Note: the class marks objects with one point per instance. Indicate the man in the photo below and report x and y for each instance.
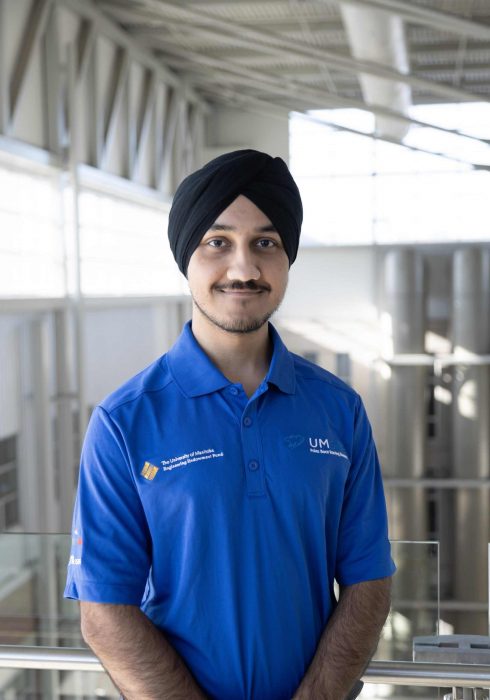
(225, 487)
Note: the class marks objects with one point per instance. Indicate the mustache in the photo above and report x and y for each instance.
(250, 285)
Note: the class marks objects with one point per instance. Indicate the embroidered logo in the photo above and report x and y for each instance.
(293, 441)
(189, 458)
(321, 446)
(149, 471)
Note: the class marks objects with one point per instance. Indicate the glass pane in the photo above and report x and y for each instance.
(8, 480)
(31, 244)
(124, 248)
(414, 612)
(55, 685)
(34, 612)
(356, 189)
(32, 578)
(415, 599)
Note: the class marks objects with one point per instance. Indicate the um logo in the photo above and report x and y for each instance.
(293, 441)
(319, 443)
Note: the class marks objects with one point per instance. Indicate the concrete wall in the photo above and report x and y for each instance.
(9, 375)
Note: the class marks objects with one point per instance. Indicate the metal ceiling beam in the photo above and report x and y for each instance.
(297, 90)
(34, 28)
(147, 104)
(270, 42)
(85, 44)
(54, 120)
(108, 28)
(426, 16)
(311, 53)
(173, 110)
(326, 19)
(120, 71)
(163, 95)
(4, 93)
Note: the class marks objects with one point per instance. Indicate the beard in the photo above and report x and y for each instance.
(237, 325)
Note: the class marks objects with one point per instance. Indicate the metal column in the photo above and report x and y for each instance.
(65, 438)
(405, 436)
(37, 477)
(471, 448)
(404, 302)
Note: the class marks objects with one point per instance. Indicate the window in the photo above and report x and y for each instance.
(360, 191)
(9, 502)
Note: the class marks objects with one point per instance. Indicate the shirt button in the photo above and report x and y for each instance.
(247, 421)
(233, 390)
(253, 465)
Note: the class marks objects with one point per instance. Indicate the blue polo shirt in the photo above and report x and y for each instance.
(227, 518)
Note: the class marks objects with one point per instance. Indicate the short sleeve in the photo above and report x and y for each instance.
(363, 548)
(110, 554)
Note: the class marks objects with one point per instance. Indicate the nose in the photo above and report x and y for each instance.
(243, 265)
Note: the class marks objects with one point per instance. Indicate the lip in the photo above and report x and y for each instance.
(241, 292)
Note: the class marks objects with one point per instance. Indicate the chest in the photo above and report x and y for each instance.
(229, 452)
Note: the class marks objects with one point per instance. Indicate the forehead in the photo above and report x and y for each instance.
(243, 212)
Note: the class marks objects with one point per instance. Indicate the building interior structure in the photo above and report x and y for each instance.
(381, 108)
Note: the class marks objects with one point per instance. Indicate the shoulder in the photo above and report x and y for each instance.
(148, 383)
(317, 378)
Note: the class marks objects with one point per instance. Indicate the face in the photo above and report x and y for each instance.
(238, 273)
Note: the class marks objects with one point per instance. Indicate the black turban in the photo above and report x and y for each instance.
(204, 194)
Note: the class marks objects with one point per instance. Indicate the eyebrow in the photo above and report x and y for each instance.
(268, 228)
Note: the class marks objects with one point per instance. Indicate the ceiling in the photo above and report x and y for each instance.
(297, 54)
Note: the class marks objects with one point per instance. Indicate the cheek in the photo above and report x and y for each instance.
(280, 272)
(201, 273)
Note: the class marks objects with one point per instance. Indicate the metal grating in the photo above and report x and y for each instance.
(212, 42)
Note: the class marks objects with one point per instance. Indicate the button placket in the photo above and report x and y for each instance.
(254, 472)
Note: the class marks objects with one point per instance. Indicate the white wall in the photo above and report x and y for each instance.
(332, 283)
(229, 129)
(118, 344)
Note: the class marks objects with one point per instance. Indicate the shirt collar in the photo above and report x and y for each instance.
(197, 375)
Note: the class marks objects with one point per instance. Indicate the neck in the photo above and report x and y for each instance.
(242, 357)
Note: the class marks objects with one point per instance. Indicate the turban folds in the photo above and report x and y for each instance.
(203, 195)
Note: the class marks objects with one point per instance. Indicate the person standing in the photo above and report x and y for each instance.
(225, 488)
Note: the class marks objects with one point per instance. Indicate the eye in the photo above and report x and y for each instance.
(266, 243)
(216, 243)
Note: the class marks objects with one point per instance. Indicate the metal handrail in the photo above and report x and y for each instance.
(49, 658)
(388, 672)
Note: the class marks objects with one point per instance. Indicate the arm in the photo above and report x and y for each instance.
(140, 661)
(348, 641)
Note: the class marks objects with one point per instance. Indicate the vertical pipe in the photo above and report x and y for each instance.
(75, 289)
(405, 445)
(404, 303)
(41, 408)
(64, 415)
(471, 458)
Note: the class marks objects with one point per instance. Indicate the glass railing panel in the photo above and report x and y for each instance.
(33, 612)
(55, 685)
(415, 605)
(415, 611)
(32, 579)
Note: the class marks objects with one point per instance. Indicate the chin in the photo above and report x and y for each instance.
(239, 325)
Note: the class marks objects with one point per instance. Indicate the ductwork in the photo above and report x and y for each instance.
(377, 36)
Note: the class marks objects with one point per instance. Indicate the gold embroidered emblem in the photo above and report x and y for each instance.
(149, 471)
